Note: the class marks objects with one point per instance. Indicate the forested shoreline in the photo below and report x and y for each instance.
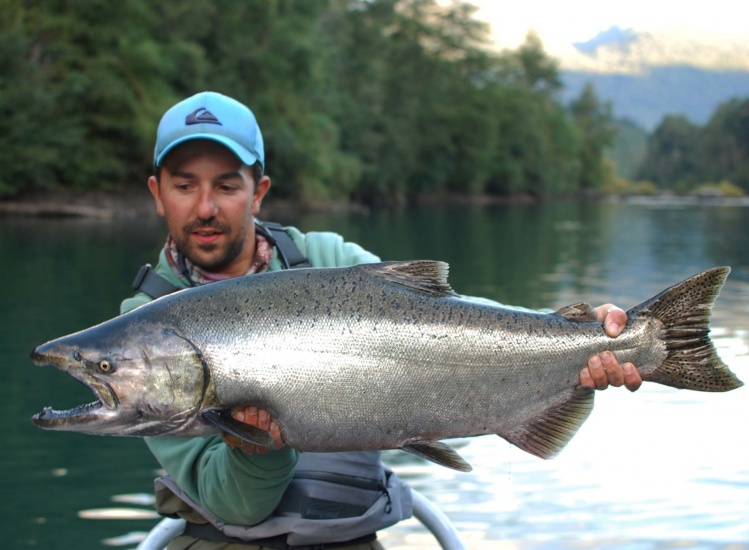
(379, 101)
(682, 156)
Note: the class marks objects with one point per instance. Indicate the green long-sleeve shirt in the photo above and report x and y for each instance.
(237, 487)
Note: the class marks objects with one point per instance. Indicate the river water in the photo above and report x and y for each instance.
(659, 468)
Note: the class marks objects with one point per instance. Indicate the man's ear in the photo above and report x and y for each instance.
(153, 186)
(261, 188)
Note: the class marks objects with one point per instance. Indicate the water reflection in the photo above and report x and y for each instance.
(655, 469)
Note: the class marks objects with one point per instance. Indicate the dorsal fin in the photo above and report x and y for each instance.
(547, 434)
(425, 276)
(578, 312)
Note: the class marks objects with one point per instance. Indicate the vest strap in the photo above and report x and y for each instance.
(288, 251)
(153, 284)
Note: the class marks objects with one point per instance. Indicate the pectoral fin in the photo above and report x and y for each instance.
(547, 434)
(223, 420)
(439, 453)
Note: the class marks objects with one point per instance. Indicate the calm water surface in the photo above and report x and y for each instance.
(660, 468)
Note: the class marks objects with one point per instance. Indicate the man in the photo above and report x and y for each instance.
(209, 184)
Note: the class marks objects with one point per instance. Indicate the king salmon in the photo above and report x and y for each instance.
(373, 356)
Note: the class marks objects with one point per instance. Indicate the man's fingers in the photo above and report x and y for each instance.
(263, 420)
(250, 448)
(275, 432)
(248, 415)
(586, 379)
(632, 377)
(260, 419)
(613, 370)
(614, 320)
(231, 440)
(604, 370)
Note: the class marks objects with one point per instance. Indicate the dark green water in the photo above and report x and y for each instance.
(64, 275)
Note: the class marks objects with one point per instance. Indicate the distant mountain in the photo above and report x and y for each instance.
(634, 50)
(615, 37)
(647, 96)
(647, 75)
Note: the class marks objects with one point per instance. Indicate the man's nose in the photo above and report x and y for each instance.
(206, 207)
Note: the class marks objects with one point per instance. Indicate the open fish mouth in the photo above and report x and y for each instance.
(106, 401)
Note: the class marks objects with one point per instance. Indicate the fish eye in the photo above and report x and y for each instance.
(77, 355)
(105, 366)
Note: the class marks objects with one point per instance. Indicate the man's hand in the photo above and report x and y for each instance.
(260, 419)
(603, 369)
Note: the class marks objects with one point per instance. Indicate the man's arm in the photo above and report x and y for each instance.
(237, 487)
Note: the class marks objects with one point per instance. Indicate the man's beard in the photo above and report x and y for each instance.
(196, 253)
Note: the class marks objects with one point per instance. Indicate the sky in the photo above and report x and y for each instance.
(702, 32)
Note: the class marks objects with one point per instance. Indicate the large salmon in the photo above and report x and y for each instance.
(375, 356)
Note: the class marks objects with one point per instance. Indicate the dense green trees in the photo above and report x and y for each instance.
(672, 160)
(682, 155)
(593, 120)
(725, 144)
(366, 99)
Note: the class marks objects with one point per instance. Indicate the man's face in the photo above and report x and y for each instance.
(208, 198)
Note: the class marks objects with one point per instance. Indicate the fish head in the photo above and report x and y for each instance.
(148, 379)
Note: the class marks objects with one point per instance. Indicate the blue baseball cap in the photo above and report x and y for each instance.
(213, 116)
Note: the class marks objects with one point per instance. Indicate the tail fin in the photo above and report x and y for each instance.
(684, 309)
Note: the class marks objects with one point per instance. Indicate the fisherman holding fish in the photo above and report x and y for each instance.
(209, 184)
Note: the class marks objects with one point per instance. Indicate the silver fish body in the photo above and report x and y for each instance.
(375, 356)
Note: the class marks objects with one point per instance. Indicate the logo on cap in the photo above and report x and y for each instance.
(201, 116)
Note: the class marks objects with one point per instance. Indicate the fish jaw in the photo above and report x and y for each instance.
(68, 360)
(146, 380)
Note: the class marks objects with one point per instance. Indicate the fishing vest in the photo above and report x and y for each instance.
(332, 497)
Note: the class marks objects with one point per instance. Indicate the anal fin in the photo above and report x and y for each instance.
(223, 420)
(548, 433)
(439, 453)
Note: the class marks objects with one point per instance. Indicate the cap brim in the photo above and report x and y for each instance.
(241, 152)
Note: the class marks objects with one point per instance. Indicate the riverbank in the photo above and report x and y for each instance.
(92, 204)
(132, 204)
(139, 204)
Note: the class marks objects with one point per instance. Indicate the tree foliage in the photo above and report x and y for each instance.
(376, 100)
(681, 155)
(725, 144)
(672, 161)
(594, 121)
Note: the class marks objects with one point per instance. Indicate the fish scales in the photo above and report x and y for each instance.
(386, 356)
(374, 343)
